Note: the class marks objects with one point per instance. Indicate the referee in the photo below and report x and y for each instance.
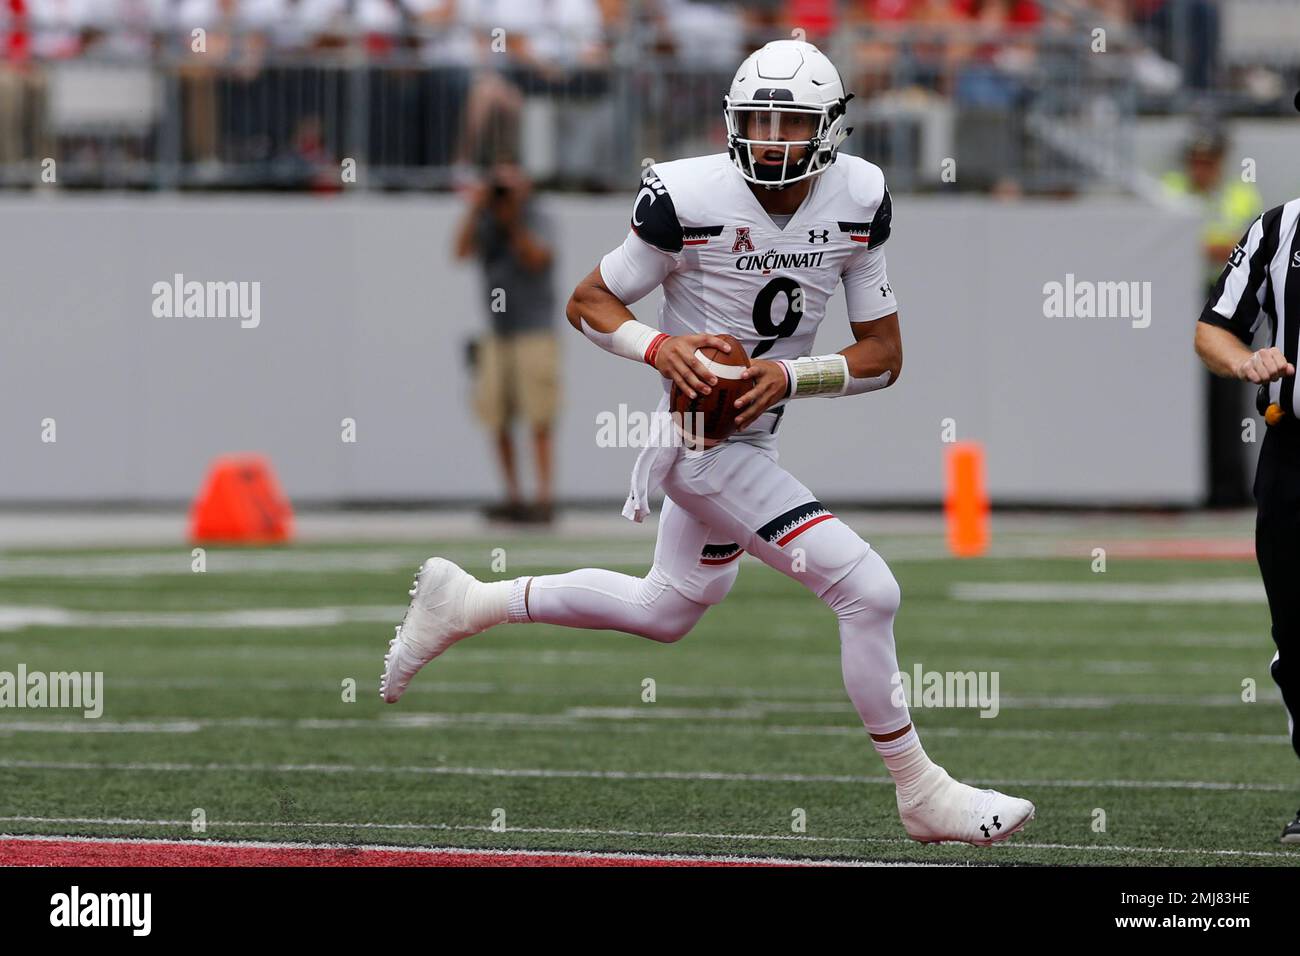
(1262, 281)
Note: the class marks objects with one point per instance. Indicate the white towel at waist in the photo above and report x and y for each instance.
(663, 446)
(652, 464)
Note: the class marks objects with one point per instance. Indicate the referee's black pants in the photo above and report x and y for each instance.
(1277, 548)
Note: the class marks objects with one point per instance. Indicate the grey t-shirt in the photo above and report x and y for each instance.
(527, 300)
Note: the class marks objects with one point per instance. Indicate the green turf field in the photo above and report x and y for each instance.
(1121, 694)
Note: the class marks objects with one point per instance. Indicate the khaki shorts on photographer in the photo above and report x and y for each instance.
(517, 376)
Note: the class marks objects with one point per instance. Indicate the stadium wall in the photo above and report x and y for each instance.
(364, 316)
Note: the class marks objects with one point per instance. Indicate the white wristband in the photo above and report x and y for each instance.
(828, 376)
(632, 340)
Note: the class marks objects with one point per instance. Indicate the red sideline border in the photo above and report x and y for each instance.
(120, 851)
(1175, 549)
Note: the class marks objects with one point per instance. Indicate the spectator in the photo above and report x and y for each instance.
(517, 362)
(925, 54)
(699, 34)
(1187, 32)
(522, 49)
(1227, 205)
(123, 29)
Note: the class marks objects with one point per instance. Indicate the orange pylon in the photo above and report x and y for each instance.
(966, 504)
(241, 503)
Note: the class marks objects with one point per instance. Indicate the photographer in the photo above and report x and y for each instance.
(517, 373)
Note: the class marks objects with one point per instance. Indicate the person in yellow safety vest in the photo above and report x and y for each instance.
(1228, 204)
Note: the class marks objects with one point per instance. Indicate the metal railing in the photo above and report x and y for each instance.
(1024, 111)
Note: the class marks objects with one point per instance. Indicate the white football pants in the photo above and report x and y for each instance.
(731, 499)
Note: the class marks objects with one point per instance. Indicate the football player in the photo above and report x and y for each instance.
(751, 243)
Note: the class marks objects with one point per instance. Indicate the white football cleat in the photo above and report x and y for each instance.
(947, 810)
(434, 621)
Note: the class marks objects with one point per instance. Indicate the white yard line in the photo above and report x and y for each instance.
(721, 776)
(239, 561)
(667, 689)
(621, 647)
(578, 719)
(819, 641)
(570, 831)
(14, 618)
(1187, 591)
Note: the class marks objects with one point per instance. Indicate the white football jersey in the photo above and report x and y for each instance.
(727, 267)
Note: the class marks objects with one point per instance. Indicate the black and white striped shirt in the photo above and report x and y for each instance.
(1262, 280)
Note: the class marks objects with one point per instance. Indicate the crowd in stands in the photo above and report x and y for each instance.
(263, 80)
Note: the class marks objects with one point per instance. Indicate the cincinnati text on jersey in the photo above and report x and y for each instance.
(767, 261)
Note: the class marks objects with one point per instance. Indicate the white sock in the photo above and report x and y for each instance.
(488, 603)
(907, 764)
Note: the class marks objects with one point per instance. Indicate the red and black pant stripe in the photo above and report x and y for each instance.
(787, 526)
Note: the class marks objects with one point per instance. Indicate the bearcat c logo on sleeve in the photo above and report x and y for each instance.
(651, 187)
(654, 218)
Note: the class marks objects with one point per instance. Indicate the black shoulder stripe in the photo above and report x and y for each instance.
(654, 218)
(880, 223)
(858, 231)
(698, 235)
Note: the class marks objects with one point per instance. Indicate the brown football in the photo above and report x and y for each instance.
(713, 415)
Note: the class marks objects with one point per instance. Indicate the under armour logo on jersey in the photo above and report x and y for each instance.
(996, 825)
(885, 291)
(815, 236)
(743, 243)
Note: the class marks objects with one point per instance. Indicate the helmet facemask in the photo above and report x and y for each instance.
(766, 118)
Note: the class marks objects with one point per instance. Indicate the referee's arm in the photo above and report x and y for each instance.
(1230, 316)
(1224, 354)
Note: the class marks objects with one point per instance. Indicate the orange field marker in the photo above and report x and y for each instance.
(966, 504)
(241, 503)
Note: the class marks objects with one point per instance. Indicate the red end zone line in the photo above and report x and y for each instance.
(1187, 549)
(105, 851)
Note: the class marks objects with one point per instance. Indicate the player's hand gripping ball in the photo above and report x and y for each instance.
(713, 375)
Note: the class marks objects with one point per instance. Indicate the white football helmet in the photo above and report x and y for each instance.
(786, 78)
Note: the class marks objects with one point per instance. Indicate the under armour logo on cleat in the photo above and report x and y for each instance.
(996, 825)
